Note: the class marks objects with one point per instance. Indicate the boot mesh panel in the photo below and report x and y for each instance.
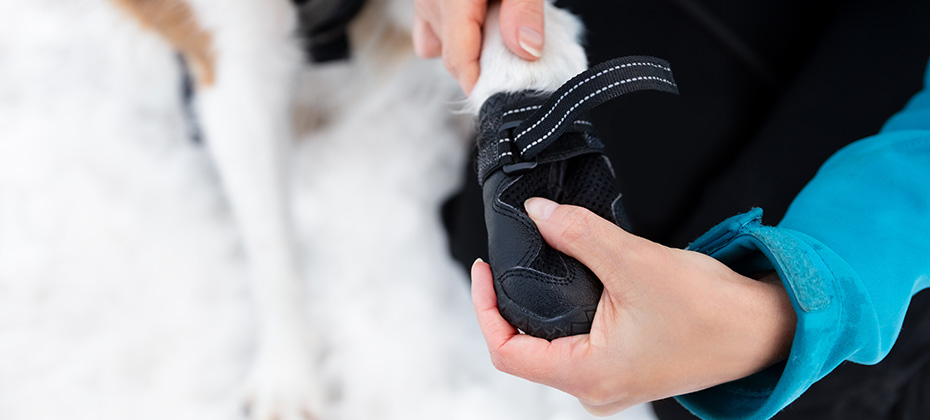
(589, 183)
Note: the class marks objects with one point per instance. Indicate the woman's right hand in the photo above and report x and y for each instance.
(669, 321)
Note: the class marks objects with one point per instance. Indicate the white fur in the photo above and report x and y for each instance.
(123, 291)
(503, 71)
(246, 117)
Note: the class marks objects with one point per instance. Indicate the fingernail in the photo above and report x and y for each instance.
(531, 41)
(540, 208)
(475, 264)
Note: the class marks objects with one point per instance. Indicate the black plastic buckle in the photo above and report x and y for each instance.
(518, 167)
(515, 167)
(510, 125)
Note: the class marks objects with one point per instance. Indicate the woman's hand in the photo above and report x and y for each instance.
(452, 28)
(669, 321)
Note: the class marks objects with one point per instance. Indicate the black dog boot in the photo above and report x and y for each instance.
(540, 145)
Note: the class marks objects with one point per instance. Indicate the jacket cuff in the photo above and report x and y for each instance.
(818, 282)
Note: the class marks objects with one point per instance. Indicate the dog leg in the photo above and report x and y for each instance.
(503, 71)
(247, 121)
(244, 58)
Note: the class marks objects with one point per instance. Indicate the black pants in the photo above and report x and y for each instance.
(769, 90)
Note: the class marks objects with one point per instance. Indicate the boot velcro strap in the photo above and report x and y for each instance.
(516, 128)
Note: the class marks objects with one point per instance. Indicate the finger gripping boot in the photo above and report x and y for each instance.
(533, 144)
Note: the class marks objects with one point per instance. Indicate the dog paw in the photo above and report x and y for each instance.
(283, 386)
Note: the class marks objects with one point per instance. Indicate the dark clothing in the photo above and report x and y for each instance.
(769, 90)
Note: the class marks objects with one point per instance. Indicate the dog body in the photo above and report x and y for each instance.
(333, 174)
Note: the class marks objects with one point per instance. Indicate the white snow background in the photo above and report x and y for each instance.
(123, 292)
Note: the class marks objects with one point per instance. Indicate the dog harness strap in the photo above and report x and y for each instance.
(324, 27)
(585, 91)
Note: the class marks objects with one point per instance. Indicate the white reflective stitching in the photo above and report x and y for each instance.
(556, 104)
(583, 122)
(504, 140)
(589, 96)
(524, 109)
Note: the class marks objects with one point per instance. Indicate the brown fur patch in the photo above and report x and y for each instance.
(378, 39)
(174, 20)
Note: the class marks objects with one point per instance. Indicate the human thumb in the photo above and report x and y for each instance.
(522, 27)
(579, 233)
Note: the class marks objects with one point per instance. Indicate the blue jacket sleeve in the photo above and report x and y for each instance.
(852, 250)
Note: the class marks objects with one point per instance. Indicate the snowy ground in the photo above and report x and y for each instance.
(122, 282)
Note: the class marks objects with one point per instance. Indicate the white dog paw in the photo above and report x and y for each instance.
(283, 386)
